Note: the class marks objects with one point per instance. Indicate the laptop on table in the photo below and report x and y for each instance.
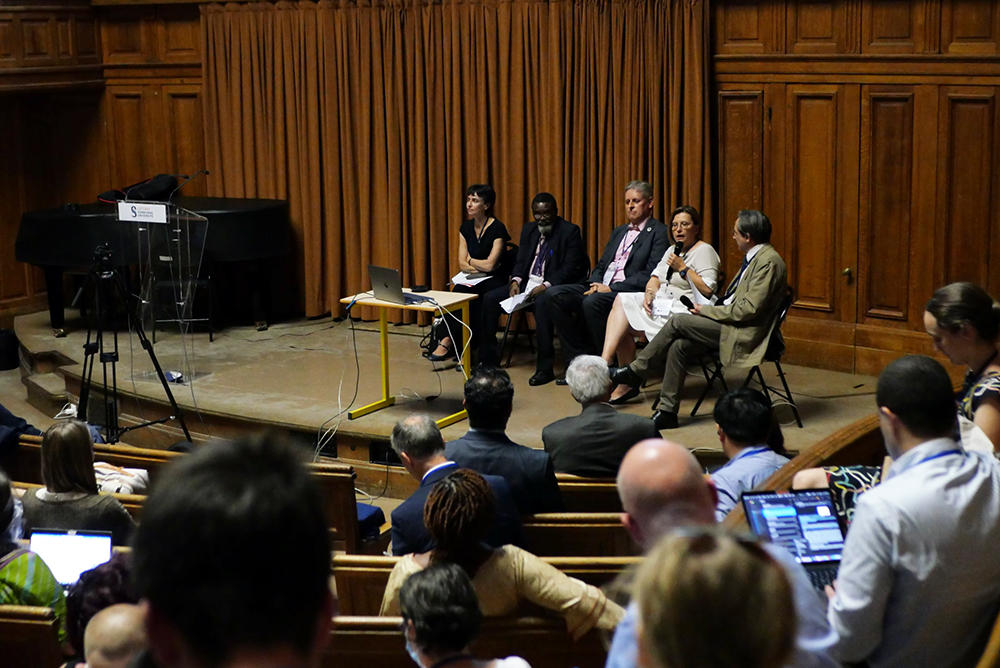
(70, 553)
(803, 522)
(388, 286)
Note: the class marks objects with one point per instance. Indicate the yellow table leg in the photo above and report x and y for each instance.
(467, 363)
(386, 400)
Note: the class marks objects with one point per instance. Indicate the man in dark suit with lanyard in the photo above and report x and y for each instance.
(551, 254)
(629, 258)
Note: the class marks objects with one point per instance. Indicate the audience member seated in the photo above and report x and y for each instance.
(24, 577)
(677, 275)
(594, 442)
(12, 428)
(662, 489)
(964, 322)
(457, 514)
(482, 241)
(744, 421)
(551, 253)
(441, 618)
(489, 399)
(919, 582)
(70, 499)
(97, 589)
(708, 600)
(579, 311)
(232, 560)
(114, 637)
(737, 329)
(418, 442)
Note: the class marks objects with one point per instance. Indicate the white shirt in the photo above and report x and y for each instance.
(919, 584)
(750, 253)
(435, 468)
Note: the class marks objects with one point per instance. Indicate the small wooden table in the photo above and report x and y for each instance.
(447, 301)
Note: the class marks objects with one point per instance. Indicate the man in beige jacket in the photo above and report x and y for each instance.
(737, 328)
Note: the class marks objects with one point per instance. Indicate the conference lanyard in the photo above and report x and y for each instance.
(956, 451)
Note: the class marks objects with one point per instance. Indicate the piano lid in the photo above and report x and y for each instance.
(238, 229)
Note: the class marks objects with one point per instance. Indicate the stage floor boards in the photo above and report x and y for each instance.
(298, 375)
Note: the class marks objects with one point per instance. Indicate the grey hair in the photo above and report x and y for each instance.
(418, 436)
(588, 378)
(644, 187)
(755, 225)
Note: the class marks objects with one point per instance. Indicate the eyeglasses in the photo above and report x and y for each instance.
(682, 225)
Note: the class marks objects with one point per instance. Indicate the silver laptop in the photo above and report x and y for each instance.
(803, 522)
(387, 286)
(70, 553)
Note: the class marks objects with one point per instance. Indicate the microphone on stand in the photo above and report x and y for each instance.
(677, 251)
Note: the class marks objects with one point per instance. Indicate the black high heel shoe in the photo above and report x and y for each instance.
(625, 398)
(444, 357)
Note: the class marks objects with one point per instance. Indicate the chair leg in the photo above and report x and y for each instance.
(211, 305)
(503, 341)
(788, 393)
(717, 374)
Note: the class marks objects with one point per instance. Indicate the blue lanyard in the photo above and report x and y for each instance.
(748, 453)
(956, 451)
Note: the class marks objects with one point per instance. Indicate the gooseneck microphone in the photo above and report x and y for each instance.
(677, 251)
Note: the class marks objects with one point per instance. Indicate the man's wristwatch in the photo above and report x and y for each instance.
(684, 273)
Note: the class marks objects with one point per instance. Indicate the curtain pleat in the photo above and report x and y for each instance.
(372, 117)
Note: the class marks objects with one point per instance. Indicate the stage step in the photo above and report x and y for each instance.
(46, 392)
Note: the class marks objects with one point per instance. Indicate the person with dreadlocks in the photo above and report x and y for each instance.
(457, 514)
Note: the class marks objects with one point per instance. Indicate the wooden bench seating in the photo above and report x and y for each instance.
(578, 535)
(361, 580)
(589, 495)
(377, 642)
(859, 443)
(133, 502)
(28, 637)
(336, 483)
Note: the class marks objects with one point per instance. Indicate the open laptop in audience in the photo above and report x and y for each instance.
(388, 286)
(804, 523)
(70, 553)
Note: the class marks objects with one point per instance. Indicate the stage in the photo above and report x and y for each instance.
(299, 375)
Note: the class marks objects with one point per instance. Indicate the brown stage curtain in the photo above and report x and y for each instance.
(372, 117)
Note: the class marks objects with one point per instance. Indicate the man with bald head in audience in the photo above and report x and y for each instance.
(919, 582)
(114, 636)
(663, 489)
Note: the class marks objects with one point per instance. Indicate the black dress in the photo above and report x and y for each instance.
(480, 248)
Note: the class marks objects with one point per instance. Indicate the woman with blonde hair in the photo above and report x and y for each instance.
(709, 600)
(70, 499)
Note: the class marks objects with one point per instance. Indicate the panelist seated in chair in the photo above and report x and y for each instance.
(737, 329)
(637, 314)
(746, 427)
(418, 442)
(594, 442)
(579, 311)
(550, 254)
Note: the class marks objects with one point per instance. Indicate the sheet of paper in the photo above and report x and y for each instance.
(515, 303)
(665, 306)
(700, 299)
(469, 279)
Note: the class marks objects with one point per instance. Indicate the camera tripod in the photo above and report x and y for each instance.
(106, 285)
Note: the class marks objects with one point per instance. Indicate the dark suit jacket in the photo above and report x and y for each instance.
(594, 442)
(567, 263)
(647, 252)
(410, 535)
(528, 471)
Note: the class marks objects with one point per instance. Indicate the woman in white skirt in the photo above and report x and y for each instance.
(697, 265)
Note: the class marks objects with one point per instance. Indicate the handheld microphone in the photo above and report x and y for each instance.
(688, 304)
(677, 251)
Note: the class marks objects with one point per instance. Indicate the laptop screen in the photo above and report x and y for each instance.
(70, 553)
(803, 522)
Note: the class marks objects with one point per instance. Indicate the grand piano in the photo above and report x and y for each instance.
(239, 230)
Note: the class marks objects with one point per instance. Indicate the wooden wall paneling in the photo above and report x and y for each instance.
(86, 36)
(823, 27)
(178, 34)
(970, 27)
(134, 124)
(967, 177)
(749, 26)
(128, 36)
(9, 52)
(38, 39)
(821, 207)
(897, 26)
(886, 202)
(741, 162)
(184, 134)
(14, 276)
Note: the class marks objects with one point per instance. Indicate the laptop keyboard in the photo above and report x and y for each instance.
(821, 577)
